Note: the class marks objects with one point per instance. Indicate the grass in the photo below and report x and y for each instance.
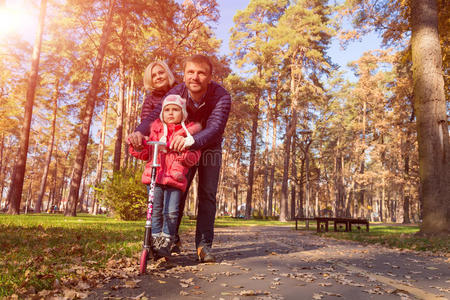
(231, 222)
(398, 236)
(36, 251)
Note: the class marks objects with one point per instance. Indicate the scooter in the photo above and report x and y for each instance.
(147, 247)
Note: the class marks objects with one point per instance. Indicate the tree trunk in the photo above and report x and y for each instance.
(251, 168)
(55, 180)
(294, 178)
(119, 120)
(300, 190)
(16, 186)
(290, 129)
(129, 116)
(359, 207)
(266, 171)
(83, 194)
(406, 218)
(101, 151)
(340, 205)
(2, 179)
(273, 160)
(86, 123)
(48, 157)
(61, 188)
(432, 126)
(307, 189)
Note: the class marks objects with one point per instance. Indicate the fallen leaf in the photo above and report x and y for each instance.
(247, 293)
(197, 292)
(82, 295)
(331, 294)
(83, 285)
(27, 273)
(317, 296)
(70, 294)
(325, 284)
(130, 284)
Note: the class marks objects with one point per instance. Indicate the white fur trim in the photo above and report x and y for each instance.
(163, 139)
(164, 136)
(189, 141)
(188, 134)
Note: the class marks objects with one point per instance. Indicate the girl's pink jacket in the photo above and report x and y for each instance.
(173, 165)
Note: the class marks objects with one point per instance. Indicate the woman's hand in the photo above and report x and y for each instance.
(136, 139)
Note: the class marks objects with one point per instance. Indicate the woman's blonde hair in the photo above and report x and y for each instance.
(148, 83)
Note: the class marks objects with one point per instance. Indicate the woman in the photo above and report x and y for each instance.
(158, 79)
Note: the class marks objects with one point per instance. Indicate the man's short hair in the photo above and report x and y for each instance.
(199, 59)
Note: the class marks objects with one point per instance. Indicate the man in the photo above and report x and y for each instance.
(207, 103)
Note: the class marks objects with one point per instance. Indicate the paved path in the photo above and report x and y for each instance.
(281, 263)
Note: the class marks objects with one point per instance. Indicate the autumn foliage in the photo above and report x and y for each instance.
(305, 138)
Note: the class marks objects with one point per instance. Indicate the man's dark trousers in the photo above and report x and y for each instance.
(208, 179)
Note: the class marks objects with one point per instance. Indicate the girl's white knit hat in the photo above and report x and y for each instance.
(181, 102)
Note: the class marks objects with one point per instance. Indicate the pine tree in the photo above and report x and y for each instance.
(16, 186)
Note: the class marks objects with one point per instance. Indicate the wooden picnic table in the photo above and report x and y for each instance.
(347, 222)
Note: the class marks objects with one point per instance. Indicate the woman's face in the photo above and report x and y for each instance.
(160, 78)
(172, 114)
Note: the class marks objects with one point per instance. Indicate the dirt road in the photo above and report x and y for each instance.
(281, 263)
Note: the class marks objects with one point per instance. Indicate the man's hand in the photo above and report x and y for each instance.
(180, 143)
(177, 143)
(135, 139)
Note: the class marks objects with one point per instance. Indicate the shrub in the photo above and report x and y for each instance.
(125, 195)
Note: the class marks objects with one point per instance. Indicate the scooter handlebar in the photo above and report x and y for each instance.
(156, 145)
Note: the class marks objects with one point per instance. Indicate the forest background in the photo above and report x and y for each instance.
(302, 139)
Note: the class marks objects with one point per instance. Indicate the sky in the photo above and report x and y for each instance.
(353, 51)
(13, 20)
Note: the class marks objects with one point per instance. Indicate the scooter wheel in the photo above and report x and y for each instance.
(143, 262)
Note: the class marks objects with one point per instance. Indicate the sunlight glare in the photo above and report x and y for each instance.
(13, 20)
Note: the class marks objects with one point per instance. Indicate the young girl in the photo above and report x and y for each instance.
(171, 178)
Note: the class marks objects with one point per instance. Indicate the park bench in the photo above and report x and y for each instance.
(302, 219)
(346, 222)
(323, 222)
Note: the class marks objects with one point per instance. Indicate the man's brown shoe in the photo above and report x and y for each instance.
(176, 248)
(205, 255)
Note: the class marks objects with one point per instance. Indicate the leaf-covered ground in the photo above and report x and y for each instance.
(49, 254)
(280, 263)
(53, 257)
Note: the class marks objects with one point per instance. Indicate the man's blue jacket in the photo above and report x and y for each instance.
(212, 113)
